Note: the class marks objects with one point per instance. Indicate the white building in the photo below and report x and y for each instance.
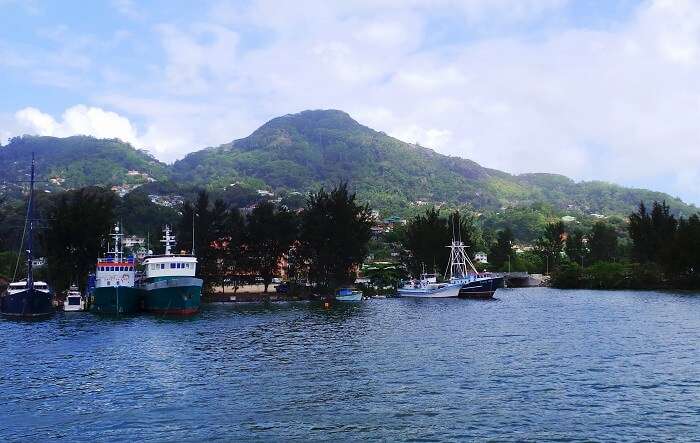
(481, 257)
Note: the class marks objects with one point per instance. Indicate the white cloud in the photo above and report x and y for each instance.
(618, 103)
(77, 120)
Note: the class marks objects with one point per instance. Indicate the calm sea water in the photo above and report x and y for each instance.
(536, 364)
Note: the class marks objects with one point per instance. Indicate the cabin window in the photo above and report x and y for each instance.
(162, 266)
(111, 268)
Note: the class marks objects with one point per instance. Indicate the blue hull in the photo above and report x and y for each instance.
(29, 303)
(482, 288)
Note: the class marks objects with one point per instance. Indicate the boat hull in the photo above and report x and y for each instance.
(482, 288)
(172, 296)
(351, 297)
(448, 291)
(111, 300)
(29, 303)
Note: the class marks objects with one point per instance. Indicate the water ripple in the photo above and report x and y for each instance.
(535, 365)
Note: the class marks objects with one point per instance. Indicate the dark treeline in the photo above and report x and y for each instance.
(322, 244)
(426, 236)
(663, 253)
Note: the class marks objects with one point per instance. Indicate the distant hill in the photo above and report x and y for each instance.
(73, 162)
(303, 151)
(300, 152)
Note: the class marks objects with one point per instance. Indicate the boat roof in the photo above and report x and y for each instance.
(170, 257)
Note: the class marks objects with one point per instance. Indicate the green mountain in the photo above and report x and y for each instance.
(300, 152)
(73, 162)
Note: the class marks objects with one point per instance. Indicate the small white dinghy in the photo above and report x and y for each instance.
(74, 300)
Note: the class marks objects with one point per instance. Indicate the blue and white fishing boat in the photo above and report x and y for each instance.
(428, 287)
(462, 272)
(348, 294)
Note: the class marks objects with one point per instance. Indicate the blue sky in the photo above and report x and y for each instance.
(593, 89)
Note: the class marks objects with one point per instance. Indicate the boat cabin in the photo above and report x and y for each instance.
(111, 272)
(164, 266)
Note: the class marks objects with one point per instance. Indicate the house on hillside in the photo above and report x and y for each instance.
(481, 257)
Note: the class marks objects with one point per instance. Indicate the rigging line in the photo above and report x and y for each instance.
(21, 243)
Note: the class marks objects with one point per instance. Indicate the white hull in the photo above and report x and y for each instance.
(447, 291)
(351, 297)
(78, 303)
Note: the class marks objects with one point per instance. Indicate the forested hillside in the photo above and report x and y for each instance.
(297, 153)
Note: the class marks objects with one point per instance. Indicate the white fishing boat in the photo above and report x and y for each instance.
(74, 300)
(428, 287)
(348, 294)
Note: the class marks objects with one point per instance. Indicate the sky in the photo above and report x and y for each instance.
(592, 89)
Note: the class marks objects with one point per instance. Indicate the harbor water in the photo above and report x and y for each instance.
(535, 364)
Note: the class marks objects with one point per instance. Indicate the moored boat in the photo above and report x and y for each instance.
(348, 294)
(114, 291)
(74, 300)
(463, 272)
(169, 285)
(425, 288)
(482, 286)
(28, 299)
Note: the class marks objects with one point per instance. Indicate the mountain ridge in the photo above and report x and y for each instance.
(303, 151)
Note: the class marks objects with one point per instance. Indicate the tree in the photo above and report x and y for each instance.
(652, 233)
(270, 234)
(686, 249)
(575, 247)
(211, 230)
(425, 238)
(602, 243)
(78, 221)
(550, 243)
(235, 262)
(334, 236)
(502, 250)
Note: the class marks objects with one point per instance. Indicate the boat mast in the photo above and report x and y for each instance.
(459, 259)
(118, 252)
(30, 240)
(168, 239)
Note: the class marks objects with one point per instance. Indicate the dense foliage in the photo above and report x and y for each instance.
(78, 161)
(270, 233)
(664, 253)
(427, 236)
(77, 223)
(303, 151)
(333, 237)
(296, 154)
